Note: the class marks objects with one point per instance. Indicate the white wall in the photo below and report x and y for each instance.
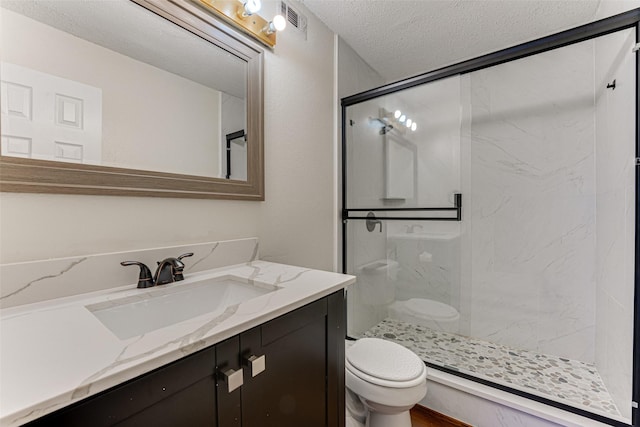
(615, 213)
(294, 224)
(354, 74)
(140, 122)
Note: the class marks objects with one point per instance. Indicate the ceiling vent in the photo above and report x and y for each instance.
(296, 20)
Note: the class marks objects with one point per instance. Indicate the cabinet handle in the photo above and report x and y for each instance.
(233, 378)
(256, 363)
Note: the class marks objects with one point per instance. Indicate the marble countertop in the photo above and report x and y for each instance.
(56, 352)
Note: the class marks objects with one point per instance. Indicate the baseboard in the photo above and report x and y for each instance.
(430, 418)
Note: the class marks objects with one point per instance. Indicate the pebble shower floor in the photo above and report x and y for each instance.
(571, 382)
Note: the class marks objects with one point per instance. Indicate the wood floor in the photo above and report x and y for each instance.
(425, 417)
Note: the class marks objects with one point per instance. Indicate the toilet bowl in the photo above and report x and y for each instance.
(425, 312)
(384, 381)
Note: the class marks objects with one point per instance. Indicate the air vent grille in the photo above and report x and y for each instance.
(292, 17)
(295, 19)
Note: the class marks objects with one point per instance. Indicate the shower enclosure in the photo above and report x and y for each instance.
(490, 212)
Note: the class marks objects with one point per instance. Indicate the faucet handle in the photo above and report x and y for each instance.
(188, 254)
(145, 279)
(178, 269)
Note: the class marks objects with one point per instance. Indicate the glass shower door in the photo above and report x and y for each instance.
(403, 209)
(490, 218)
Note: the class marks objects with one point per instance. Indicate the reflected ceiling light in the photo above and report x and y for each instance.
(408, 123)
(250, 7)
(403, 118)
(277, 24)
(414, 126)
(397, 114)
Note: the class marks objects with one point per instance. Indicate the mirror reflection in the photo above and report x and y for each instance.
(111, 83)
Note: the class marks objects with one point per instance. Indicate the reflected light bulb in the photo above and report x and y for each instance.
(408, 124)
(397, 114)
(414, 126)
(403, 118)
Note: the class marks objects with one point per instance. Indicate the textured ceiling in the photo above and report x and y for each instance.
(405, 38)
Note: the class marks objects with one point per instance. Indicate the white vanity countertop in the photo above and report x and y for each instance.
(56, 352)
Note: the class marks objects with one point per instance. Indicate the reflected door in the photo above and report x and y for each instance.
(50, 118)
(235, 166)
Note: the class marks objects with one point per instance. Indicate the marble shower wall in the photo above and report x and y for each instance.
(530, 206)
(615, 212)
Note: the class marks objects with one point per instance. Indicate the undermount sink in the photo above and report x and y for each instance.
(166, 305)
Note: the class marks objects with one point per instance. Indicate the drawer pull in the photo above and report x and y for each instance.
(233, 378)
(256, 363)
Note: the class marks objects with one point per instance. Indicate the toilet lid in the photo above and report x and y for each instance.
(384, 360)
(432, 309)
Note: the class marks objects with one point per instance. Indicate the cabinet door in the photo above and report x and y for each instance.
(336, 334)
(293, 390)
(181, 393)
(193, 407)
(228, 358)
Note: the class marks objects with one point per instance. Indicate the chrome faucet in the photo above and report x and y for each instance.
(169, 270)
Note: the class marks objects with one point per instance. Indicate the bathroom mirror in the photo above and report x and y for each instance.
(129, 97)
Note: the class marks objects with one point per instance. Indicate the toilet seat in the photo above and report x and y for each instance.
(385, 363)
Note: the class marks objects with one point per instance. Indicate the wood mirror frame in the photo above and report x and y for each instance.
(41, 176)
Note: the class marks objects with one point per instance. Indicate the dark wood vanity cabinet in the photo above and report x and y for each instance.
(302, 383)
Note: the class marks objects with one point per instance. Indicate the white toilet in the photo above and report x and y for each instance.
(425, 312)
(384, 381)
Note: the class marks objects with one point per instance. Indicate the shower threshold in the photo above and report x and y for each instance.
(562, 380)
